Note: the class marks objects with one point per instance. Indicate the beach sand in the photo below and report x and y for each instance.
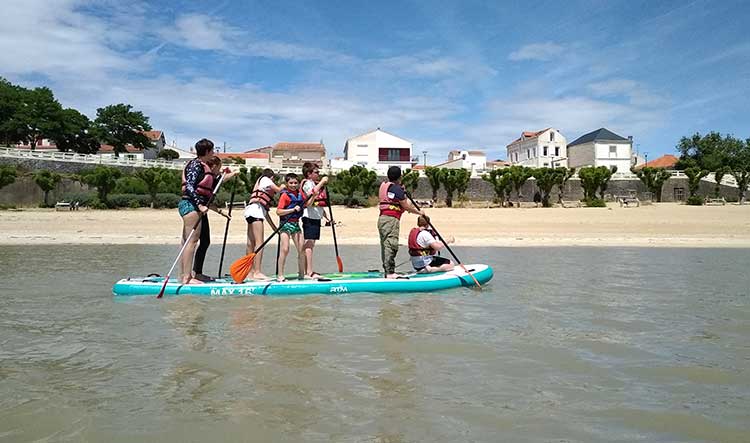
(665, 225)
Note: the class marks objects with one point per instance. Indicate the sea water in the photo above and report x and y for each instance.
(563, 345)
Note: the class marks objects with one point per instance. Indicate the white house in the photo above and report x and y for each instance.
(472, 160)
(378, 150)
(601, 148)
(536, 149)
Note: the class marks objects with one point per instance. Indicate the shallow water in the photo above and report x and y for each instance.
(565, 344)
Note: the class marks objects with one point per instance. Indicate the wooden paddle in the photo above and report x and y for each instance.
(226, 229)
(446, 244)
(241, 267)
(339, 262)
(187, 240)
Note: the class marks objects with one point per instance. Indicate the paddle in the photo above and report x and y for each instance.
(187, 240)
(333, 230)
(226, 229)
(241, 267)
(446, 244)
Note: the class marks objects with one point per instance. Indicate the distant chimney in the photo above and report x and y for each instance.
(630, 137)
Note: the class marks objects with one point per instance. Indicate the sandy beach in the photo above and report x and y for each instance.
(666, 225)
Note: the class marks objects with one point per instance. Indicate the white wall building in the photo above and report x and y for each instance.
(545, 148)
(601, 148)
(378, 150)
(474, 161)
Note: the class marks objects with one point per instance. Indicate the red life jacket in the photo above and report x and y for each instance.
(414, 249)
(320, 199)
(260, 196)
(387, 205)
(205, 187)
(297, 199)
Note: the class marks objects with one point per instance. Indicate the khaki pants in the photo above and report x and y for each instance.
(388, 228)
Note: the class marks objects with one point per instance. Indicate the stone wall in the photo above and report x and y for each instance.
(24, 192)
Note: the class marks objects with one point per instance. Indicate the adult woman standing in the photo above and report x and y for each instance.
(197, 188)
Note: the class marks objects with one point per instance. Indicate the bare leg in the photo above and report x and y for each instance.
(308, 249)
(297, 238)
(442, 268)
(186, 261)
(257, 233)
(282, 254)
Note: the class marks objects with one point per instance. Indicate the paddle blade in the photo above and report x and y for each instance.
(241, 268)
(340, 263)
(161, 293)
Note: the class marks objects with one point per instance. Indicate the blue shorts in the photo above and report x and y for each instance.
(186, 207)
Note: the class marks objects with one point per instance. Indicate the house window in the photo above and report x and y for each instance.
(552, 136)
(544, 153)
(130, 156)
(546, 164)
(557, 151)
(534, 151)
(393, 155)
(528, 153)
(612, 151)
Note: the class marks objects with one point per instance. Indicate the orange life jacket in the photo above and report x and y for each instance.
(414, 249)
(205, 187)
(260, 196)
(387, 205)
(320, 199)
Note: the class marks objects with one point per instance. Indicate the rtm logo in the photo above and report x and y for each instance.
(339, 289)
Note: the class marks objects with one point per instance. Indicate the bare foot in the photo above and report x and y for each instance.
(391, 276)
(280, 278)
(194, 281)
(259, 276)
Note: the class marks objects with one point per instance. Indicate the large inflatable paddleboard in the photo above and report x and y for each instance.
(329, 284)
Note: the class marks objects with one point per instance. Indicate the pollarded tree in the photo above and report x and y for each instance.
(433, 176)
(546, 179)
(410, 180)
(606, 177)
(718, 176)
(346, 182)
(694, 175)
(653, 179)
(119, 126)
(368, 180)
(103, 178)
(564, 174)
(47, 181)
(168, 154)
(500, 181)
(740, 167)
(462, 184)
(452, 180)
(518, 176)
(595, 179)
(153, 177)
(8, 175)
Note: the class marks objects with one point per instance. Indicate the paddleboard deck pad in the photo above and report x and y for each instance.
(328, 284)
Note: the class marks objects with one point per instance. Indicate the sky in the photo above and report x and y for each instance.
(443, 75)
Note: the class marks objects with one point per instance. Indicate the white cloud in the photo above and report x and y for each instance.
(537, 51)
(199, 31)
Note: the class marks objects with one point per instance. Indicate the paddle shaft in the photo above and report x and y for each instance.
(187, 240)
(339, 262)
(445, 243)
(226, 229)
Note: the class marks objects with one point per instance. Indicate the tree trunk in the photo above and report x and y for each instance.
(46, 194)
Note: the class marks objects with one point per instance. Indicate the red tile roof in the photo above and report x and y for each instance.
(261, 155)
(152, 135)
(128, 148)
(528, 134)
(296, 146)
(665, 161)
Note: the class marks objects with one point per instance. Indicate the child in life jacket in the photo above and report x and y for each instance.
(423, 249)
(289, 210)
(312, 186)
(256, 213)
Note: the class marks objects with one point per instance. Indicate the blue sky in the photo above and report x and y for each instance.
(444, 75)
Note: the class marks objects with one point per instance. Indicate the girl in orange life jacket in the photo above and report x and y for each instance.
(393, 203)
(423, 249)
(256, 212)
(312, 184)
(289, 210)
(214, 164)
(197, 187)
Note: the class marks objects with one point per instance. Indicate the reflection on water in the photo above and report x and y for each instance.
(566, 344)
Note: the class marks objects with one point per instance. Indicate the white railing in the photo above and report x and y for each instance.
(72, 157)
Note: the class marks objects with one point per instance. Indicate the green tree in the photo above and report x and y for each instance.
(153, 178)
(10, 101)
(38, 115)
(75, 133)
(653, 179)
(118, 125)
(103, 178)
(595, 179)
(546, 179)
(518, 176)
(454, 180)
(564, 174)
(47, 181)
(346, 182)
(433, 176)
(168, 154)
(694, 175)
(707, 152)
(500, 181)
(410, 180)
(718, 176)
(8, 175)
(740, 167)
(368, 180)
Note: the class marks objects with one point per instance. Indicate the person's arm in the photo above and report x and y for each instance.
(280, 209)
(321, 184)
(405, 203)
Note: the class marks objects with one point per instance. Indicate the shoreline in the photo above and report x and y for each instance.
(659, 225)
